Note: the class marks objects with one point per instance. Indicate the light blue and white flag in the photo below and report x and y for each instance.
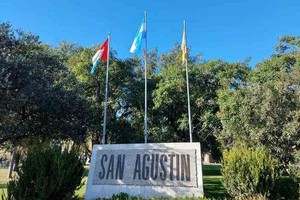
(137, 42)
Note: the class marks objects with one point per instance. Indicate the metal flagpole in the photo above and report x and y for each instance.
(106, 92)
(187, 86)
(145, 58)
(189, 106)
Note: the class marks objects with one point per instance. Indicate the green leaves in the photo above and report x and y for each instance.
(49, 93)
(265, 112)
(248, 172)
(47, 173)
(39, 93)
(288, 44)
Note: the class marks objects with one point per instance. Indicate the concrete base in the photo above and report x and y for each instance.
(145, 170)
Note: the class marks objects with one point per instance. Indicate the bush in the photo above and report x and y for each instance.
(249, 172)
(48, 173)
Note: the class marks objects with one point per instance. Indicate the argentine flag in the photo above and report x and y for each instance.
(137, 42)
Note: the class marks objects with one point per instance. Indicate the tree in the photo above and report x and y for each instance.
(288, 44)
(125, 96)
(266, 111)
(170, 98)
(39, 96)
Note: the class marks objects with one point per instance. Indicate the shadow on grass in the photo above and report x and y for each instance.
(212, 170)
(213, 188)
(3, 186)
(3, 190)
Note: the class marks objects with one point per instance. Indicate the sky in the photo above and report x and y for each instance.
(232, 30)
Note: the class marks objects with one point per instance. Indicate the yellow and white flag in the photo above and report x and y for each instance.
(183, 44)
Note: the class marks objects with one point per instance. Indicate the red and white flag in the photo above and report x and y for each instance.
(101, 54)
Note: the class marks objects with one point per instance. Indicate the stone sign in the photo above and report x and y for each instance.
(146, 170)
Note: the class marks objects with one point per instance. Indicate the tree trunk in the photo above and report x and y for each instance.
(17, 161)
(10, 169)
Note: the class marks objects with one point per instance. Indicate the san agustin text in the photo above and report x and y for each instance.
(173, 167)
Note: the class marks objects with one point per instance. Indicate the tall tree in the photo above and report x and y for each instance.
(170, 98)
(125, 96)
(266, 111)
(39, 97)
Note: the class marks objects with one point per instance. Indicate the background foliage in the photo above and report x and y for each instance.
(47, 93)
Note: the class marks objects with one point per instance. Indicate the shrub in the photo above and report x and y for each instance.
(255, 197)
(48, 173)
(249, 172)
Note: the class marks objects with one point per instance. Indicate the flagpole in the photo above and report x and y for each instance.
(145, 58)
(188, 90)
(106, 92)
(189, 106)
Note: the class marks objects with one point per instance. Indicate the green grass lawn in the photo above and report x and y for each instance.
(213, 187)
(212, 182)
(211, 170)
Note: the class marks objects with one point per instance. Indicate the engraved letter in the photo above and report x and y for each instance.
(154, 169)
(177, 167)
(110, 169)
(137, 168)
(171, 166)
(185, 168)
(120, 167)
(103, 159)
(163, 159)
(145, 169)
